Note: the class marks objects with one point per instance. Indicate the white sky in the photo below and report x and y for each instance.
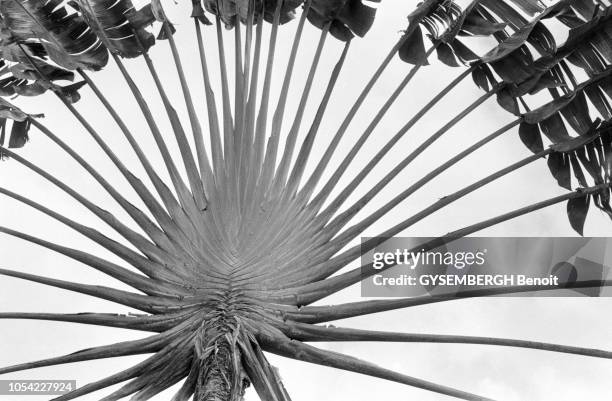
(505, 374)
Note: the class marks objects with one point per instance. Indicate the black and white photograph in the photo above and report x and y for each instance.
(297, 200)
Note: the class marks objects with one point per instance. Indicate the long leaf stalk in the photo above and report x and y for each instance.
(307, 353)
(135, 347)
(348, 190)
(96, 136)
(262, 115)
(237, 137)
(413, 155)
(211, 107)
(332, 265)
(162, 358)
(89, 232)
(311, 293)
(334, 246)
(165, 371)
(259, 245)
(196, 128)
(157, 235)
(227, 195)
(269, 162)
(154, 264)
(255, 192)
(232, 126)
(229, 189)
(156, 255)
(170, 202)
(310, 185)
(228, 124)
(98, 139)
(145, 303)
(247, 157)
(186, 197)
(248, 50)
(193, 174)
(187, 215)
(314, 333)
(438, 205)
(244, 147)
(323, 218)
(222, 282)
(147, 345)
(278, 207)
(321, 314)
(196, 183)
(306, 147)
(265, 379)
(93, 133)
(166, 196)
(239, 89)
(179, 185)
(283, 168)
(339, 172)
(278, 212)
(124, 275)
(146, 323)
(336, 224)
(147, 266)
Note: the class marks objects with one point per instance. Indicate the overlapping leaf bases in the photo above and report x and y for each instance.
(227, 263)
(529, 61)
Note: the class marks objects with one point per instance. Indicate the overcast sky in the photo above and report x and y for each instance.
(505, 374)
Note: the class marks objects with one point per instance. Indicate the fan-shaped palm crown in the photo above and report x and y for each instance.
(233, 257)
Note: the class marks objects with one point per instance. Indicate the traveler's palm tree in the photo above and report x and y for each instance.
(240, 242)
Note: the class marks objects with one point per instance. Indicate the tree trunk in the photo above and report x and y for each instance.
(221, 375)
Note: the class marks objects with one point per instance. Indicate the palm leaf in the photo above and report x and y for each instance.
(229, 261)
